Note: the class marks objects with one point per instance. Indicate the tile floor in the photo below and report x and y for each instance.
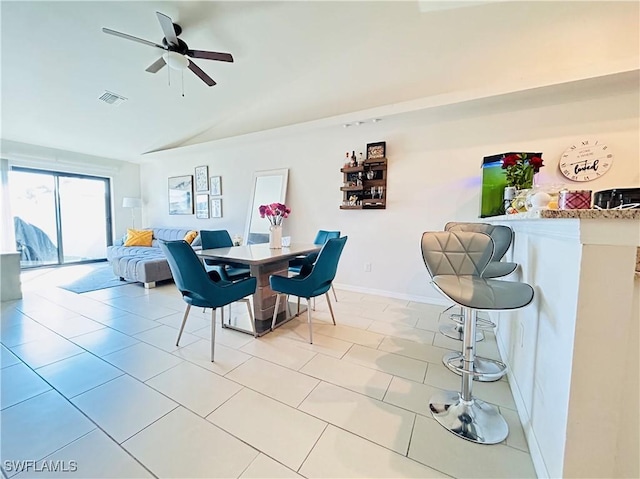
(96, 378)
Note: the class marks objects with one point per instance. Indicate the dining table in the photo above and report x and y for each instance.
(263, 262)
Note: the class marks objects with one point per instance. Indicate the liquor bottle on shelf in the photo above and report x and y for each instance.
(354, 161)
(347, 160)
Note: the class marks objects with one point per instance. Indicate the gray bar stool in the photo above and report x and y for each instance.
(485, 369)
(455, 260)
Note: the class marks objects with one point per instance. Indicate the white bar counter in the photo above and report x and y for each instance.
(573, 354)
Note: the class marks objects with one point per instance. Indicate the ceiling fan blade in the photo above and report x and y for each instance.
(131, 37)
(203, 76)
(222, 57)
(156, 66)
(167, 27)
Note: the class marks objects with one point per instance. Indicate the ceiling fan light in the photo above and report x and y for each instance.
(175, 60)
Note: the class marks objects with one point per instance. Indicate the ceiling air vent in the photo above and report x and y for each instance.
(112, 98)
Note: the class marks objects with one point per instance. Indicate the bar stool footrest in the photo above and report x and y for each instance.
(474, 420)
(455, 331)
(484, 369)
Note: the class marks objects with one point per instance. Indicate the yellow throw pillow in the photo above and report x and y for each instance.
(190, 236)
(138, 237)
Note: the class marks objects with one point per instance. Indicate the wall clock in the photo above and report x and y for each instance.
(586, 160)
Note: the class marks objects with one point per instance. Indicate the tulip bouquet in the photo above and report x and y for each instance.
(275, 213)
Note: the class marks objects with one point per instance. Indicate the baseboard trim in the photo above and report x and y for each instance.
(392, 294)
(534, 448)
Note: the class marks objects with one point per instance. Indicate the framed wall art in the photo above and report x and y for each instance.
(202, 179)
(215, 186)
(376, 151)
(202, 206)
(216, 207)
(181, 195)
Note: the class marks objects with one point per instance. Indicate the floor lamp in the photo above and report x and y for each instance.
(132, 203)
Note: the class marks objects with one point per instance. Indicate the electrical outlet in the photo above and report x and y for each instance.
(367, 267)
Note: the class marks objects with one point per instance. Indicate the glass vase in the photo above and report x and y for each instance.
(275, 236)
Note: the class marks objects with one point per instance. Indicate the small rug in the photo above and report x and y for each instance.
(99, 277)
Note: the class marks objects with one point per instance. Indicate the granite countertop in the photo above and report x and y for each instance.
(628, 214)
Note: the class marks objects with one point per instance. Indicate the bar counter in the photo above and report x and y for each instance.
(573, 354)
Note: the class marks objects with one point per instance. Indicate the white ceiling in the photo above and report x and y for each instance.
(294, 62)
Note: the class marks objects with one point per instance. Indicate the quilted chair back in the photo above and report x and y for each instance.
(502, 236)
(458, 253)
(323, 236)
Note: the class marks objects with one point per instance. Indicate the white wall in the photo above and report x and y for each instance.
(433, 177)
(125, 176)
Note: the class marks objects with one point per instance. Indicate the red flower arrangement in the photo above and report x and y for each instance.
(275, 212)
(520, 168)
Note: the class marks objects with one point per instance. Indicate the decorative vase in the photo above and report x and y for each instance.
(275, 236)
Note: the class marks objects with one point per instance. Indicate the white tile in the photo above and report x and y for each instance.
(387, 362)
(433, 445)
(141, 306)
(226, 336)
(413, 349)
(124, 406)
(340, 454)
(19, 383)
(24, 331)
(50, 312)
(104, 341)
(277, 351)
(402, 331)
(7, 358)
(297, 334)
(71, 326)
(78, 374)
(99, 311)
(429, 322)
(39, 426)
(130, 323)
(351, 376)
(46, 351)
(277, 382)
(516, 437)
(395, 315)
(410, 395)
(193, 322)
(226, 359)
(95, 455)
(195, 388)
(350, 334)
(281, 432)
(164, 337)
(374, 420)
(11, 316)
(142, 361)
(263, 467)
(182, 444)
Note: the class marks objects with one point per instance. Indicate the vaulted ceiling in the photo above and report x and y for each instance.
(294, 62)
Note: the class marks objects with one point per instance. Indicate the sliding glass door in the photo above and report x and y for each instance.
(59, 218)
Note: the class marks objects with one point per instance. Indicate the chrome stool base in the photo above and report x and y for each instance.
(474, 420)
(456, 331)
(481, 323)
(484, 369)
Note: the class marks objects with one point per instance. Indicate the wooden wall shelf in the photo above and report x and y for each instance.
(368, 183)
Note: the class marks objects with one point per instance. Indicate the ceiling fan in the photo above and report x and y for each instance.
(176, 51)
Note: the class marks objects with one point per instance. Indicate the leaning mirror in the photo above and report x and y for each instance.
(268, 187)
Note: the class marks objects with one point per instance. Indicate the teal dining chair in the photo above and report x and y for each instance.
(212, 239)
(296, 264)
(199, 288)
(313, 280)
